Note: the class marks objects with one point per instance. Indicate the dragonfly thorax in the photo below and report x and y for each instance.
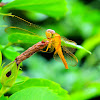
(50, 33)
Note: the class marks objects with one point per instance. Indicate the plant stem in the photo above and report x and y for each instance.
(30, 51)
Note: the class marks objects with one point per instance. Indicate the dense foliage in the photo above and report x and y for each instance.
(41, 77)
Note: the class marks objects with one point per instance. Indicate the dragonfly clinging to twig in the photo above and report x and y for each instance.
(67, 57)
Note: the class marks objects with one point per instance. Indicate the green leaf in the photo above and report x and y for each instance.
(40, 83)
(10, 52)
(24, 38)
(36, 93)
(0, 63)
(53, 8)
(9, 74)
(0, 58)
(20, 77)
(27, 38)
(73, 45)
(89, 44)
(3, 98)
(89, 92)
(36, 16)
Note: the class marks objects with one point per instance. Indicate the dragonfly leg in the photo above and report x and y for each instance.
(49, 46)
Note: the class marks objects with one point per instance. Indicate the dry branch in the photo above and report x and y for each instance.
(30, 51)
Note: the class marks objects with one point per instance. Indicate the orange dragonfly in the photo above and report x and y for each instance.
(65, 53)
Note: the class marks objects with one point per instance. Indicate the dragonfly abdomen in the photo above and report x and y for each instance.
(62, 58)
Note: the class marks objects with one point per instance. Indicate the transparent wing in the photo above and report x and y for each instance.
(71, 59)
(65, 39)
(21, 25)
(50, 50)
(69, 56)
(69, 41)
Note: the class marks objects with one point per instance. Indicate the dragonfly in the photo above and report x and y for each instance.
(54, 41)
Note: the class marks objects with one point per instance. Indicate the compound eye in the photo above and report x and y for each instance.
(52, 32)
(48, 30)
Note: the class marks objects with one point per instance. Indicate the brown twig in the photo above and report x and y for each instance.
(30, 51)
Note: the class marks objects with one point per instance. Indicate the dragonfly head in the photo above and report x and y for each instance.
(50, 33)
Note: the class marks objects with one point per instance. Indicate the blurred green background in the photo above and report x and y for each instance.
(77, 20)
